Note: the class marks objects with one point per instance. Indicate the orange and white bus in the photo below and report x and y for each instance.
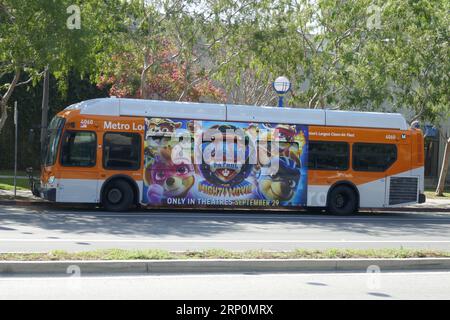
(125, 152)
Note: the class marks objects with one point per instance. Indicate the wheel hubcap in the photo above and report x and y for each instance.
(114, 195)
(340, 201)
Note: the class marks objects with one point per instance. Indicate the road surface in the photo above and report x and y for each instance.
(40, 229)
(413, 285)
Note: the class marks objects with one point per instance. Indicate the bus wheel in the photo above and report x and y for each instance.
(117, 196)
(342, 201)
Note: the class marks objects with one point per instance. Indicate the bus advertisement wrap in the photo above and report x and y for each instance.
(195, 163)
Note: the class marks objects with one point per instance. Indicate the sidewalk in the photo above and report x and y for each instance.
(12, 177)
(433, 203)
(22, 196)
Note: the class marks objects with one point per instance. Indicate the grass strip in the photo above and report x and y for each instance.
(8, 184)
(154, 254)
(431, 194)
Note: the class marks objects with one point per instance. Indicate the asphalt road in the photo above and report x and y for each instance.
(40, 229)
(413, 285)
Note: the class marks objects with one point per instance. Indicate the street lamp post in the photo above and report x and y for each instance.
(281, 85)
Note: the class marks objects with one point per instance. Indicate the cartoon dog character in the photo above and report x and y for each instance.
(280, 179)
(159, 131)
(160, 125)
(290, 141)
(167, 177)
(222, 166)
(159, 135)
(282, 132)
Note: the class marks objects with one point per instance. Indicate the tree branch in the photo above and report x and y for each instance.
(30, 79)
(211, 72)
(4, 9)
(4, 99)
(7, 95)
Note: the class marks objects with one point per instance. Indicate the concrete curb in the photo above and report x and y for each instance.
(29, 203)
(409, 209)
(219, 266)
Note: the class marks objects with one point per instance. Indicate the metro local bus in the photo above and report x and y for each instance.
(121, 153)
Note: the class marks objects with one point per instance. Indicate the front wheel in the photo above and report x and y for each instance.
(342, 201)
(117, 196)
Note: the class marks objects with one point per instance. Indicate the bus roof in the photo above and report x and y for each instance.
(241, 113)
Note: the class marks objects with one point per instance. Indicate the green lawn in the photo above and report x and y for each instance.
(154, 254)
(431, 194)
(8, 184)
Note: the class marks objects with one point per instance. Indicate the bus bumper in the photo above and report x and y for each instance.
(48, 194)
(422, 198)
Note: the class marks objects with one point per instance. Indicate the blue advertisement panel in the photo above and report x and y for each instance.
(194, 163)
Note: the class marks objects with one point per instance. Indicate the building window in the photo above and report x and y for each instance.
(374, 157)
(121, 151)
(328, 155)
(79, 149)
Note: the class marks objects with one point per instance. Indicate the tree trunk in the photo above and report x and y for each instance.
(146, 67)
(144, 82)
(444, 169)
(3, 114)
(44, 112)
(4, 99)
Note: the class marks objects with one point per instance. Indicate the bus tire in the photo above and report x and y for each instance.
(117, 196)
(342, 200)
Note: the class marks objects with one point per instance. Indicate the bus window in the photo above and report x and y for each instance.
(52, 141)
(78, 149)
(328, 155)
(121, 151)
(374, 157)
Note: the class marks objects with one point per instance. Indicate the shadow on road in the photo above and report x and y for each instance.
(84, 220)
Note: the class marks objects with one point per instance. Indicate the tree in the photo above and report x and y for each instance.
(174, 37)
(364, 55)
(165, 82)
(29, 102)
(410, 52)
(444, 170)
(39, 33)
(313, 43)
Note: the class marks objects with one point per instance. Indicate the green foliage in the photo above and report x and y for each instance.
(365, 55)
(29, 104)
(336, 59)
(160, 51)
(34, 34)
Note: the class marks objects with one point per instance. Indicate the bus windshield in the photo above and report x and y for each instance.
(52, 140)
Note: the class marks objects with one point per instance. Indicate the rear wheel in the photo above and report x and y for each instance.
(342, 201)
(117, 196)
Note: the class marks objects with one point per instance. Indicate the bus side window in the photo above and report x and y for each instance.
(375, 157)
(121, 151)
(328, 155)
(79, 149)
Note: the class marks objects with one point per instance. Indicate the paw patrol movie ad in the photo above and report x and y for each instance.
(194, 163)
